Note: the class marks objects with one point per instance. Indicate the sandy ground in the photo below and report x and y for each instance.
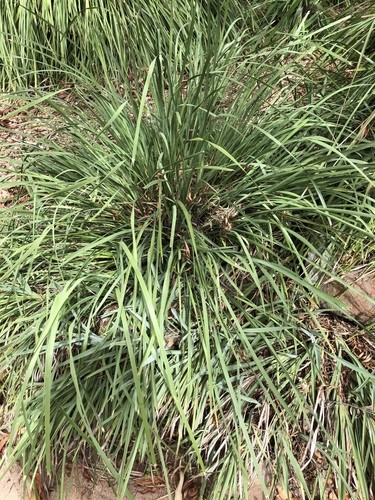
(79, 488)
(76, 488)
(11, 488)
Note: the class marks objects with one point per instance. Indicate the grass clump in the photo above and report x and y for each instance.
(158, 294)
(40, 38)
(110, 40)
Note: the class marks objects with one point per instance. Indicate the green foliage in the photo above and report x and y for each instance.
(40, 38)
(157, 293)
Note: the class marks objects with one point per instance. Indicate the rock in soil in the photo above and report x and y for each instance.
(357, 293)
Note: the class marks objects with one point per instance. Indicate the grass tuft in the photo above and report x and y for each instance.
(161, 261)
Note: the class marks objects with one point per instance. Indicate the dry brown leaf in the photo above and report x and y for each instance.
(63, 94)
(3, 441)
(150, 481)
(191, 493)
(40, 487)
(191, 489)
(149, 484)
